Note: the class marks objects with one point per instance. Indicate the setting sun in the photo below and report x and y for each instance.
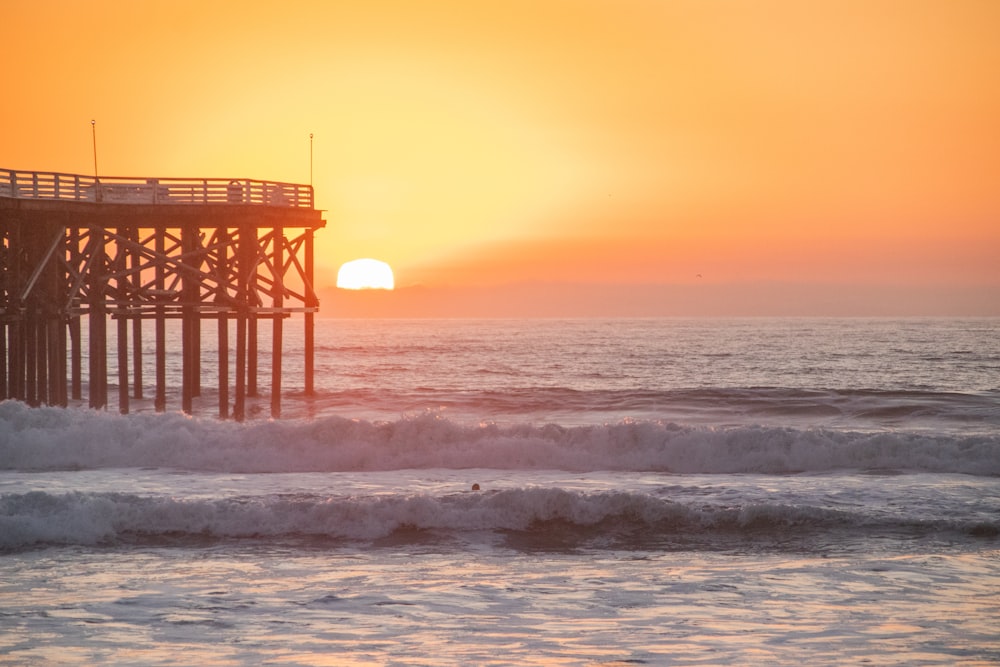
(365, 274)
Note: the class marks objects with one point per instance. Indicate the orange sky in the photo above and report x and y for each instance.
(625, 141)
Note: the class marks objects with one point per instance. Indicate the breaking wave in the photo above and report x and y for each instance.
(526, 516)
(61, 439)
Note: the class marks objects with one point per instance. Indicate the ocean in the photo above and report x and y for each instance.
(527, 492)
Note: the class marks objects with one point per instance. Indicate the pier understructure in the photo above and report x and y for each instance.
(78, 253)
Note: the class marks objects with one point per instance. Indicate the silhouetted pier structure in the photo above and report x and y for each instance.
(132, 249)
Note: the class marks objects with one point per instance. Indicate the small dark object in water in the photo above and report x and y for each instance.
(475, 487)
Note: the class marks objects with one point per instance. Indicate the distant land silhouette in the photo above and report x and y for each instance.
(604, 300)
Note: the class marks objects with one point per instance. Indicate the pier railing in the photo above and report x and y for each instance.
(159, 191)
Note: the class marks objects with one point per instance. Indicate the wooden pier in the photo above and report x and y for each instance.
(76, 249)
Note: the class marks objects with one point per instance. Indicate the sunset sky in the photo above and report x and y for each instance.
(850, 143)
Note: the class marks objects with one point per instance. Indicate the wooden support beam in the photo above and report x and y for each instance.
(137, 356)
(187, 363)
(122, 283)
(223, 366)
(310, 302)
(97, 330)
(42, 352)
(49, 332)
(55, 325)
(252, 356)
(160, 397)
(189, 331)
(97, 327)
(195, 325)
(31, 357)
(277, 249)
(249, 252)
(276, 338)
(16, 378)
(73, 320)
(135, 259)
(4, 388)
(57, 333)
(76, 358)
(123, 404)
(239, 407)
(223, 271)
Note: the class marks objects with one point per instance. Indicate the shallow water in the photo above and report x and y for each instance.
(434, 604)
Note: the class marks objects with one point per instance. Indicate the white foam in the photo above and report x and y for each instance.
(108, 517)
(54, 439)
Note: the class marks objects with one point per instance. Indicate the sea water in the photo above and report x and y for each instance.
(660, 492)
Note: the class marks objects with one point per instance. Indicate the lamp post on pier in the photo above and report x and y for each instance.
(97, 181)
(93, 134)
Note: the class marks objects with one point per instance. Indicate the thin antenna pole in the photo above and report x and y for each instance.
(310, 159)
(93, 134)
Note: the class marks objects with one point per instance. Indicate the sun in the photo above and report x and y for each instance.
(365, 274)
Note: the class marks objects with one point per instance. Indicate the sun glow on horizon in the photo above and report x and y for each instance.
(365, 274)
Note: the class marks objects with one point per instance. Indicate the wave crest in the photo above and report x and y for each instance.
(534, 517)
(59, 439)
